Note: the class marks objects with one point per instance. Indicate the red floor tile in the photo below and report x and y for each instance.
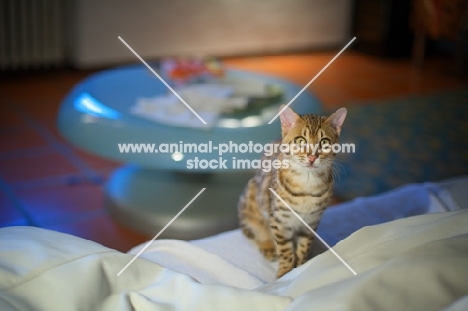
(104, 230)
(40, 108)
(19, 137)
(27, 168)
(61, 203)
(50, 124)
(8, 117)
(67, 79)
(31, 87)
(96, 162)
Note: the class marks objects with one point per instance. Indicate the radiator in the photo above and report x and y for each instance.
(31, 34)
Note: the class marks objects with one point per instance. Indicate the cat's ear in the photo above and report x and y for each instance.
(288, 119)
(337, 118)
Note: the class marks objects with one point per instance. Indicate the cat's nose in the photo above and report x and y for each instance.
(312, 159)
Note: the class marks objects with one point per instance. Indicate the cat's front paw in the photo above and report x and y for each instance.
(248, 233)
(281, 272)
(268, 250)
(269, 254)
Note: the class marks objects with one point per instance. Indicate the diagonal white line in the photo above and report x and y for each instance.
(313, 231)
(162, 80)
(313, 79)
(162, 230)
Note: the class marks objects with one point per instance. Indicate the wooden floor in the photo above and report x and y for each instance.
(41, 180)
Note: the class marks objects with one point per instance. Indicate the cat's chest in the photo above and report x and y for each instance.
(304, 193)
(308, 205)
(309, 218)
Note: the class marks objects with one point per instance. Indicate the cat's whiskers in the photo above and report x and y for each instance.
(337, 168)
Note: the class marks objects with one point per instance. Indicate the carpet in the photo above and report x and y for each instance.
(407, 140)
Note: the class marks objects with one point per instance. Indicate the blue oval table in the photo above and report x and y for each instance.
(151, 188)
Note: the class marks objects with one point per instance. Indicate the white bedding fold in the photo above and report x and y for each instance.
(417, 263)
(202, 265)
(46, 270)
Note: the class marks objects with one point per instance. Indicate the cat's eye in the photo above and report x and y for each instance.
(324, 142)
(300, 141)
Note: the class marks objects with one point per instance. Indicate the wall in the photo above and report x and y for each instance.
(156, 28)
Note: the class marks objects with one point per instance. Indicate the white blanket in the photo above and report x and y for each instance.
(218, 259)
(417, 263)
(228, 259)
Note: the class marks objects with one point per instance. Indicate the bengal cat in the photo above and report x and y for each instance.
(305, 184)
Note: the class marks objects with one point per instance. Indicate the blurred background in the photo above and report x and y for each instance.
(404, 81)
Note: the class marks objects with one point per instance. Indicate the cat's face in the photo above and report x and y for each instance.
(311, 138)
